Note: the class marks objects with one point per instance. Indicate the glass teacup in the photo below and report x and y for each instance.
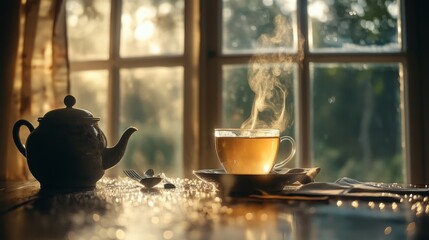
(250, 151)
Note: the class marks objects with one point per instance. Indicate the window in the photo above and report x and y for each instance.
(342, 67)
(127, 61)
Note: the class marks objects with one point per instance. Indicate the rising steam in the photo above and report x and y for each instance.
(268, 78)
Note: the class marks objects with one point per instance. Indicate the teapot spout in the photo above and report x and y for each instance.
(111, 156)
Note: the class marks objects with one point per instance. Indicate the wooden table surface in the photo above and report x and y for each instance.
(121, 209)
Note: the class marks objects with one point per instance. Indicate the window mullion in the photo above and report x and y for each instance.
(190, 61)
(114, 91)
(210, 80)
(355, 57)
(303, 134)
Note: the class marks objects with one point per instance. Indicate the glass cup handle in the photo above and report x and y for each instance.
(291, 154)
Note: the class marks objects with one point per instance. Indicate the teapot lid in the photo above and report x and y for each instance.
(69, 114)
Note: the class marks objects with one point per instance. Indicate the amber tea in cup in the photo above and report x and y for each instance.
(250, 151)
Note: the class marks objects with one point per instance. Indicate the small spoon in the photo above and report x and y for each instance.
(149, 180)
(146, 180)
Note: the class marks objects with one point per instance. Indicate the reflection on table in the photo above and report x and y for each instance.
(121, 209)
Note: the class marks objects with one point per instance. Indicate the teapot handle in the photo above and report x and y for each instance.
(15, 132)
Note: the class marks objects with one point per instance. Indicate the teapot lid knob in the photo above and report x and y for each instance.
(69, 101)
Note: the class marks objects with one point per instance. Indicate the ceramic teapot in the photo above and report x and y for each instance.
(68, 150)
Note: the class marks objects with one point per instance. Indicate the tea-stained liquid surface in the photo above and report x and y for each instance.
(247, 155)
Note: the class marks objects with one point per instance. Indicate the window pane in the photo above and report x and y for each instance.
(152, 27)
(275, 91)
(237, 97)
(88, 29)
(355, 25)
(262, 25)
(356, 121)
(90, 91)
(152, 101)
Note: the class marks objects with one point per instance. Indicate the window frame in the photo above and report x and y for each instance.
(416, 114)
(202, 61)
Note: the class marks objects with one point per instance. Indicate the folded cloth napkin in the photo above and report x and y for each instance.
(356, 186)
(350, 188)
